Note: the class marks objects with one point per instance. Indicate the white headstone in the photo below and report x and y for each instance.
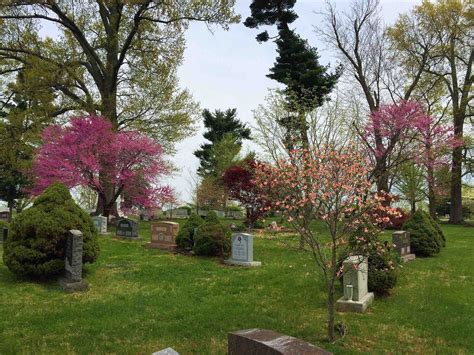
(242, 250)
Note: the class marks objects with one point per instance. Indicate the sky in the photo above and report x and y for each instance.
(227, 69)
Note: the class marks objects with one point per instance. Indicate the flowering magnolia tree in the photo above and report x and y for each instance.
(330, 185)
(241, 186)
(87, 152)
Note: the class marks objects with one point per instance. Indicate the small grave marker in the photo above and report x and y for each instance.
(72, 280)
(126, 228)
(401, 240)
(100, 224)
(268, 342)
(242, 250)
(163, 235)
(356, 296)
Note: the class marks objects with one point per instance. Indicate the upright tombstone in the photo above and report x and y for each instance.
(100, 224)
(163, 235)
(5, 215)
(356, 296)
(72, 280)
(242, 250)
(268, 342)
(181, 213)
(126, 228)
(401, 240)
(4, 235)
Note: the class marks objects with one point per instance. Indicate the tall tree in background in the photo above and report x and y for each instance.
(23, 115)
(220, 125)
(307, 82)
(448, 24)
(114, 58)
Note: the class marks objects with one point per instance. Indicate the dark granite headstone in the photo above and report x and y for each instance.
(268, 342)
(401, 240)
(72, 280)
(127, 228)
(4, 236)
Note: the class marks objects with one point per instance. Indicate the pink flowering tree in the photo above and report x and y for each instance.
(333, 184)
(87, 152)
(434, 144)
(389, 137)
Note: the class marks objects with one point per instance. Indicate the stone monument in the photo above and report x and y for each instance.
(4, 235)
(401, 240)
(72, 280)
(356, 296)
(4, 215)
(163, 235)
(242, 250)
(167, 351)
(100, 224)
(267, 342)
(126, 228)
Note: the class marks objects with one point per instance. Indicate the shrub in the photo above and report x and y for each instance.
(185, 238)
(212, 238)
(424, 238)
(438, 229)
(382, 260)
(37, 237)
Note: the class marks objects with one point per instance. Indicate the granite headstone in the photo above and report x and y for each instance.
(127, 228)
(72, 280)
(242, 250)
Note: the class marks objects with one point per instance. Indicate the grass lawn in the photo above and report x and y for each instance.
(143, 300)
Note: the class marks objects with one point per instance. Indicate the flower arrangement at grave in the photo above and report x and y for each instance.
(329, 184)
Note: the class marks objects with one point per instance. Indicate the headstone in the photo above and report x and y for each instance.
(72, 280)
(181, 213)
(126, 228)
(100, 224)
(401, 240)
(220, 214)
(242, 250)
(235, 214)
(5, 215)
(356, 296)
(203, 213)
(167, 351)
(163, 235)
(4, 236)
(268, 342)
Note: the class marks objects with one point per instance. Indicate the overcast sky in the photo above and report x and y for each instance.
(227, 69)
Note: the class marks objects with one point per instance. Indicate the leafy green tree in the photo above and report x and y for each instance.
(445, 27)
(411, 184)
(117, 59)
(22, 117)
(225, 132)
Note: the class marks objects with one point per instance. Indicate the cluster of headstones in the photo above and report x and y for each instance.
(356, 297)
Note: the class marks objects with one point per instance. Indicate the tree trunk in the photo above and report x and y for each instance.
(431, 193)
(331, 312)
(413, 207)
(455, 215)
(10, 209)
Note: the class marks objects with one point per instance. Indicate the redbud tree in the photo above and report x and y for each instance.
(87, 152)
(332, 183)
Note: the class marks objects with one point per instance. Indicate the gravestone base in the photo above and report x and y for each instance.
(408, 257)
(162, 246)
(243, 263)
(343, 305)
(73, 286)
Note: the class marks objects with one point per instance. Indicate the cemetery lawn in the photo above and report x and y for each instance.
(143, 300)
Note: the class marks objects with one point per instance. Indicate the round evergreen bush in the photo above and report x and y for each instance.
(212, 238)
(185, 237)
(37, 238)
(425, 240)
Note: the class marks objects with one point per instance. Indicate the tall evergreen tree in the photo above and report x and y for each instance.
(307, 82)
(219, 125)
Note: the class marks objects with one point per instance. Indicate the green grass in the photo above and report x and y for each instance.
(144, 300)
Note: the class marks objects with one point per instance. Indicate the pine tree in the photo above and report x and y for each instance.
(219, 125)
